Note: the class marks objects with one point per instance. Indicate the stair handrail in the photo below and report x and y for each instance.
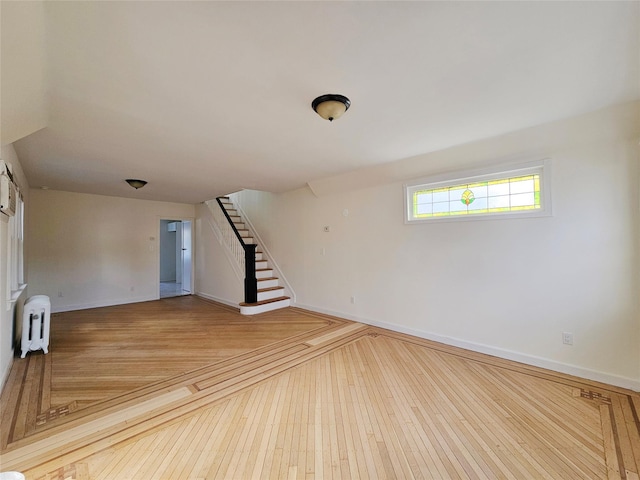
(249, 259)
(228, 217)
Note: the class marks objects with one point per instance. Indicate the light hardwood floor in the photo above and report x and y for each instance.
(183, 388)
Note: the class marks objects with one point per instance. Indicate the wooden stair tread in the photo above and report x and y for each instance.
(264, 302)
(269, 289)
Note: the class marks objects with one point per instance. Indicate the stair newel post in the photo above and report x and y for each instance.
(250, 281)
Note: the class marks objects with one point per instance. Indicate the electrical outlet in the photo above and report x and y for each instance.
(567, 338)
(353, 299)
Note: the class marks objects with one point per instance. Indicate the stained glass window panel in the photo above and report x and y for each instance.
(456, 193)
(441, 207)
(521, 186)
(479, 190)
(479, 197)
(441, 195)
(501, 201)
(424, 198)
(498, 188)
(457, 206)
(424, 209)
(478, 204)
(522, 200)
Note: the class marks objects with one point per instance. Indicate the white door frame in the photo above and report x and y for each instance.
(193, 237)
(189, 248)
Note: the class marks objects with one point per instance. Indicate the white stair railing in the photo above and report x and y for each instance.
(227, 235)
(244, 253)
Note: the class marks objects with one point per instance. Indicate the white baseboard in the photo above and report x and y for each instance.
(110, 303)
(5, 374)
(577, 371)
(219, 300)
(106, 303)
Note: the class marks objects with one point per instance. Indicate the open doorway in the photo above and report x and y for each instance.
(175, 258)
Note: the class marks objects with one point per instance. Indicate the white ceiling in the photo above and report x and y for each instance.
(205, 98)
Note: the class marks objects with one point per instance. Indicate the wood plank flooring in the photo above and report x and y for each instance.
(183, 388)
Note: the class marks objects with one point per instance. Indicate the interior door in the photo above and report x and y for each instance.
(186, 256)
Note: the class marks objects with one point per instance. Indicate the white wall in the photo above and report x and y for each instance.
(8, 325)
(23, 92)
(506, 287)
(215, 276)
(91, 250)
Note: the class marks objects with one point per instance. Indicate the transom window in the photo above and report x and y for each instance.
(514, 191)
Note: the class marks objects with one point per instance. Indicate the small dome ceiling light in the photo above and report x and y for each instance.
(331, 106)
(136, 183)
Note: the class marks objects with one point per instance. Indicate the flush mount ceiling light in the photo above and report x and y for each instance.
(331, 106)
(136, 183)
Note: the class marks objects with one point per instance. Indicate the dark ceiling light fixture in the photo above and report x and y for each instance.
(331, 106)
(135, 183)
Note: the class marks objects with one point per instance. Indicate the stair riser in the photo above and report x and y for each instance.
(250, 310)
(264, 274)
(270, 294)
(261, 264)
(267, 283)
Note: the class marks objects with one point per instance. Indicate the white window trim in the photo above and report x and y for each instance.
(15, 253)
(543, 167)
(15, 294)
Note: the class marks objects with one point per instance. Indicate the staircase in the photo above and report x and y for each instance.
(270, 294)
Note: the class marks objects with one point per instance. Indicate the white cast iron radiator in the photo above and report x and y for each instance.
(35, 324)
